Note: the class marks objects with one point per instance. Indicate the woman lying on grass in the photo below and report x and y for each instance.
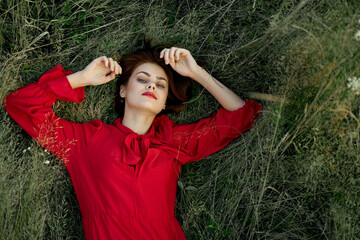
(125, 174)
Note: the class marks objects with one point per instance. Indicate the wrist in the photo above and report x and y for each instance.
(201, 76)
(76, 80)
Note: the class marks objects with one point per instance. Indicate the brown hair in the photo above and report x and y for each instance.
(179, 90)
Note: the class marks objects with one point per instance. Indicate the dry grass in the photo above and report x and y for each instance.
(295, 175)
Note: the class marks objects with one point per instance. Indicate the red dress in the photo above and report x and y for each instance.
(125, 183)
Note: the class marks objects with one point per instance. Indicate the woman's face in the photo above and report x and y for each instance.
(147, 89)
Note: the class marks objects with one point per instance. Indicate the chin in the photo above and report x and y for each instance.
(145, 108)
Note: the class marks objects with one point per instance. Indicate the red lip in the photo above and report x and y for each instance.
(150, 94)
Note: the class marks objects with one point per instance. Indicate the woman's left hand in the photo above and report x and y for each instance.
(181, 61)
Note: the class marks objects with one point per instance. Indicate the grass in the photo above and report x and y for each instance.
(295, 175)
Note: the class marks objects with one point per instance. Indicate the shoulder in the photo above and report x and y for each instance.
(99, 125)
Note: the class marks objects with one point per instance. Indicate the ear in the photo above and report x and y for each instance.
(122, 91)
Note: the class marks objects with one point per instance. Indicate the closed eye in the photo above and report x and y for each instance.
(141, 80)
(161, 85)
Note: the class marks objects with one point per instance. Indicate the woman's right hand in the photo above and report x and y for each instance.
(100, 71)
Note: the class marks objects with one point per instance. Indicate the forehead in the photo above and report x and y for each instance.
(151, 68)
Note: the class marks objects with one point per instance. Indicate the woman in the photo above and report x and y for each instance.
(125, 174)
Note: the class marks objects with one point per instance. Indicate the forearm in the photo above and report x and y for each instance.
(227, 98)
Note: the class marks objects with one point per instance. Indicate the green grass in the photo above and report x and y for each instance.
(295, 175)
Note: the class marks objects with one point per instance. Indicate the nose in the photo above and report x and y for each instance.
(151, 85)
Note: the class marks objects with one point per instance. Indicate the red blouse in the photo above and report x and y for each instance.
(125, 182)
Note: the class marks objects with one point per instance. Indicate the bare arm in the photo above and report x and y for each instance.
(182, 62)
(227, 98)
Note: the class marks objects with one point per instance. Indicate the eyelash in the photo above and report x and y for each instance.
(144, 81)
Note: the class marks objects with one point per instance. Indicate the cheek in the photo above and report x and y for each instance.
(165, 95)
(133, 88)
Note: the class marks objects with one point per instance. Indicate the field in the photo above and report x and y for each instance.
(294, 175)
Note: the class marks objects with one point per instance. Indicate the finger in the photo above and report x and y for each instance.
(112, 65)
(177, 54)
(172, 53)
(106, 61)
(103, 59)
(119, 69)
(162, 53)
(166, 56)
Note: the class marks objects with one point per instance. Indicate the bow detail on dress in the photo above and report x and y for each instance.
(136, 146)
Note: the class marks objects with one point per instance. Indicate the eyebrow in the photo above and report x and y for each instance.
(147, 74)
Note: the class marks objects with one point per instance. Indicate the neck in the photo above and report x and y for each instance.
(138, 121)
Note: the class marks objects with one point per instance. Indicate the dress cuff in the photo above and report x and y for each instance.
(56, 84)
(241, 119)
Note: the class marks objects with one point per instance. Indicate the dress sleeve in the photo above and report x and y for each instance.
(31, 107)
(213, 133)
